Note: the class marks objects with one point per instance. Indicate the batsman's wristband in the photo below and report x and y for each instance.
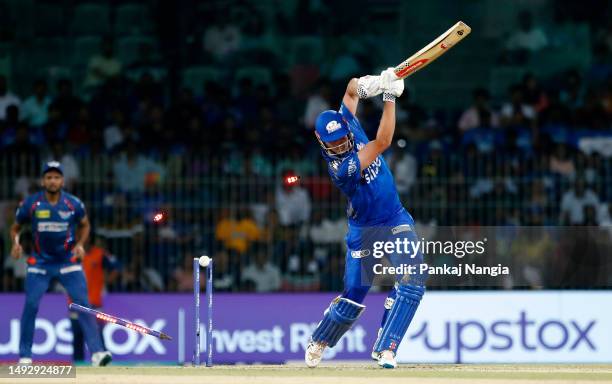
(388, 97)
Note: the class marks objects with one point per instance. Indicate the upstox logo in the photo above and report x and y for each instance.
(505, 334)
(57, 337)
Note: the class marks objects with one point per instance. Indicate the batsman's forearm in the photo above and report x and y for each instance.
(351, 88)
(385, 132)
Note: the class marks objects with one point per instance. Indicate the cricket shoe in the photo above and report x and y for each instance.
(314, 353)
(25, 361)
(101, 359)
(386, 359)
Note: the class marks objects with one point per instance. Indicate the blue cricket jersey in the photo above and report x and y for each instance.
(372, 195)
(53, 226)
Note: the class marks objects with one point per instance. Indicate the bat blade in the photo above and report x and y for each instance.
(433, 50)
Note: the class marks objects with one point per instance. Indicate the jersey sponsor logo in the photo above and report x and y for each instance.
(52, 226)
(72, 268)
(373, 170)
(65, 214)
(332, 126)
(40, 271)
(360, 254)
(43, 214)
(360, 146)
(401, 228)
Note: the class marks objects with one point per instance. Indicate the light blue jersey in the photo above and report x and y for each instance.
(373, 198)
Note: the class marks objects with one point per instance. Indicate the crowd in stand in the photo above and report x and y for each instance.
(212, 159)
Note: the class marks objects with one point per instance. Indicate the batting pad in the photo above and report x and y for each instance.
(337, 319)
(406, 303)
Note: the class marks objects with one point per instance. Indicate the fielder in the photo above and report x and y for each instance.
(60, 227)
(357, 167)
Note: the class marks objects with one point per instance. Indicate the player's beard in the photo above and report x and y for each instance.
(53, 190)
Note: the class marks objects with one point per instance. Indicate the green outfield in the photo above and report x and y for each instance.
(352, 373)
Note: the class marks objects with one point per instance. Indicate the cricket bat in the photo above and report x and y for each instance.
(433, 50)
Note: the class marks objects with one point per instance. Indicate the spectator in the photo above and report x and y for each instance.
(35, 108)
(114, 134)
(221, 39)
(265, 275)
(538, 200)
(237, 230)
(8, 127)
(561, 163)
(317, 103)
(6, 98)
(146, 63)
(410, 116)
(182, 277)
(572, 92)
(102, 66)
(302, 273)
(327, 230)
(526, 39)
(22, 156)
(292, 202)
(480, 114)
(66, 103)
(133, 170)
(225, 274)
(516, 113)
(574, 201)
(533, 94)
(404, 167)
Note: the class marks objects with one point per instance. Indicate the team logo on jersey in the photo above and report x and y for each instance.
(43, 214)
(65, 214)
(334, 165)
(352, 167)
(359, 146)
(333, 126)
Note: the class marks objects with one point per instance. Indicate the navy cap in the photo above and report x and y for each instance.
(52, 166)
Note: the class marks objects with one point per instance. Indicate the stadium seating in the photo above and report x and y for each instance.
(91, 18)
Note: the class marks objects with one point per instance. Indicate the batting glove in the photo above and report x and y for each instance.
(386, 78)
(396, 88)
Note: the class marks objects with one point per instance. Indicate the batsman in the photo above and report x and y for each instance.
(357, 167)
